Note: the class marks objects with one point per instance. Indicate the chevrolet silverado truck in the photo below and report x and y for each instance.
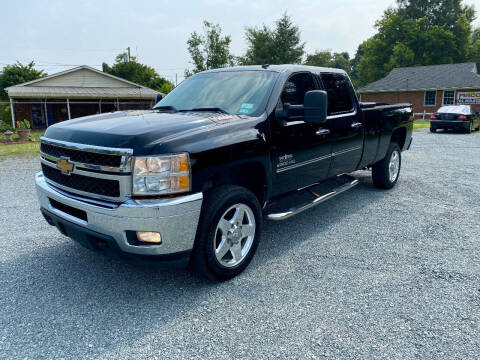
(190, 181)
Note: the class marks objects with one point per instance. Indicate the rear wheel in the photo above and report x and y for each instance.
(228, 233)
(385, 173)
(470, 128)
(433, 130)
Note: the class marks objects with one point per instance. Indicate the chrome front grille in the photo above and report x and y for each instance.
(98, 172)
(85, 157)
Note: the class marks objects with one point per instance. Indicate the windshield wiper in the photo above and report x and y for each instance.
(166, 107)
(217, 109)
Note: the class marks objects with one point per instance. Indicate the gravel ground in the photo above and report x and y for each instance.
(371, 274)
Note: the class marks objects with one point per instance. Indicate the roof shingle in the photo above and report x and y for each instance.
(448, 76)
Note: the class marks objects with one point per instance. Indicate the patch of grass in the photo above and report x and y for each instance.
(421, 125)
(27, 149)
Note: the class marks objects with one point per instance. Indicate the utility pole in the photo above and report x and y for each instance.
(128, 49)
(175, 79)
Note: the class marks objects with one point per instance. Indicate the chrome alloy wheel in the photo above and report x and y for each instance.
(234, 235)
(394, 166)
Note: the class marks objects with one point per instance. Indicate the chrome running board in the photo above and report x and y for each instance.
(346, 183)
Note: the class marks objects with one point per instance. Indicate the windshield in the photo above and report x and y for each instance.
(233, 92)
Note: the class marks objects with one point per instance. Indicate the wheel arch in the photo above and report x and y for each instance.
(399, 136)
(250, 175)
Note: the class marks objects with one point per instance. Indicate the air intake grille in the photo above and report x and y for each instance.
(81, 156)
(104, 187)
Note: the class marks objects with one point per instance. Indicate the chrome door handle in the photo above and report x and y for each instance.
(323, 132)
(356, 125)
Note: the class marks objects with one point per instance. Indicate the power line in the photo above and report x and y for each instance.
(60, 49)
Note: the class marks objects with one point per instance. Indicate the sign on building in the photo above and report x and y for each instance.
(468, 97)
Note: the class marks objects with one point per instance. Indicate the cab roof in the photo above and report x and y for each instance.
(287, 68)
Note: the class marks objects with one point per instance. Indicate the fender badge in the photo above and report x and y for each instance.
(65, 166)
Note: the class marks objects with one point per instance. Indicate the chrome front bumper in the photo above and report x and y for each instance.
(176, 219)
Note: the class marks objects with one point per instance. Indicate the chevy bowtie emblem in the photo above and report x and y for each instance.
(65, 166)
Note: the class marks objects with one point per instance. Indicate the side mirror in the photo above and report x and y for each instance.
(315, 106)
(158, 98)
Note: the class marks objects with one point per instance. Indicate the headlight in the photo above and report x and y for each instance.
(163, 174)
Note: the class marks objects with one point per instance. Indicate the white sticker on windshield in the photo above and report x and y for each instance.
(245, 108)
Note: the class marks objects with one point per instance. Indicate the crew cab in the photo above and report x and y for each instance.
(190, 181)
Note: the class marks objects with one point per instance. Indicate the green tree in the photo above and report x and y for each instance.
(325, 58)
(280, 45)
(416, 33)
(322, 58)
(475, 35)
(342, 61)
(209, 50)
(166, 88)
(16, 74)
(437, 12)
(136, 72)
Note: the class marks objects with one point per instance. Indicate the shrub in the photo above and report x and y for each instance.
(6, 116)
(4, 126)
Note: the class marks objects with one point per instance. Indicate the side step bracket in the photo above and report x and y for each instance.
(320, 193)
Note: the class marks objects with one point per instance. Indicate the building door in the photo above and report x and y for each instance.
(50, 115)
(38, 116)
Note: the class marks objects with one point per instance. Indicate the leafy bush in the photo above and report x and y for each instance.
(4, 126)
(5, 114)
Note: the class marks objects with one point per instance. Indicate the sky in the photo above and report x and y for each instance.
(61, 34)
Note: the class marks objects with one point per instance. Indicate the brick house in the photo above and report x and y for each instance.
(427, 88)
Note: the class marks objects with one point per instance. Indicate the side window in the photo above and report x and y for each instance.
(339, 92)
(296, 87)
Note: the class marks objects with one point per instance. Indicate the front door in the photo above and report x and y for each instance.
(345, 123)
(300, 153)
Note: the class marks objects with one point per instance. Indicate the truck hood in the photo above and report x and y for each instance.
(137, 130)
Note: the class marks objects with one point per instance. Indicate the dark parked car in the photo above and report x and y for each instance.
(455, 117)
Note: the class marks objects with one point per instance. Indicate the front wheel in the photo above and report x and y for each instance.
(228, 233)
(433, 130)
(385, 173)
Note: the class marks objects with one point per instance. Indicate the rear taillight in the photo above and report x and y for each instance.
(462, 117)
(433, 117)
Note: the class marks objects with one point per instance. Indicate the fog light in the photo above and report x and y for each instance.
(149, 236)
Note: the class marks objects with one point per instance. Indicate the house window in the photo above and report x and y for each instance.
(449, 98)
(430, 97)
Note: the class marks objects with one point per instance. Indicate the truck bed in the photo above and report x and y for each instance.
(380, 121)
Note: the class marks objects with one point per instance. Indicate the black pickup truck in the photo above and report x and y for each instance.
(190, 181)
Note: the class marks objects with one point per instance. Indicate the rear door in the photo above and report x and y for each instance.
(345, 121)
(300, 154)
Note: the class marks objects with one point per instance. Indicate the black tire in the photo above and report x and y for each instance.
(470, 128)
(381, 170)
(433, 130)
(216, 203)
